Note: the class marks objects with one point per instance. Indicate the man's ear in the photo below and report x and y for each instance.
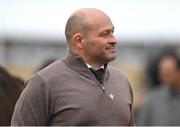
(78, 39)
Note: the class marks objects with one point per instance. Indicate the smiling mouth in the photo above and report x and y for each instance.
(111, 49)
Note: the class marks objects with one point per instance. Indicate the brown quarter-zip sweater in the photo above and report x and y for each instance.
(67, 93)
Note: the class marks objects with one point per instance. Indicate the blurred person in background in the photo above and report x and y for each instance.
(80, 89)
(152, 70)
(10, 90)
(162, 108)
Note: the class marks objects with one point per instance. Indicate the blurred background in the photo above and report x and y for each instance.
(32, 35)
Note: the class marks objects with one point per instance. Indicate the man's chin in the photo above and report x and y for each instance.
(111, 58)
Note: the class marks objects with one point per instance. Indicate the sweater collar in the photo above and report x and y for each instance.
(89, 66)
(76, 63)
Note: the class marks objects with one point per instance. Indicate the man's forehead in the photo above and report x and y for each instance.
(108, 28)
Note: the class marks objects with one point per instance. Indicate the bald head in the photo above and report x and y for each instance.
(89, 33)
(80, 21)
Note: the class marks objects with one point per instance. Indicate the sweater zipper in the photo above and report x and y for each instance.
(103, 87)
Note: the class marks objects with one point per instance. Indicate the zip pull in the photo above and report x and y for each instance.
(103, 88)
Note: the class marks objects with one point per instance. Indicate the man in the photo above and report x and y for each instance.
(162, 106)
(71, 92)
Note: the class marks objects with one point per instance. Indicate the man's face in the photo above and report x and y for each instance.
(169, 73)
(100, 41)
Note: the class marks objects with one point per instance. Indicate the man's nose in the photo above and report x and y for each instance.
(113, 39)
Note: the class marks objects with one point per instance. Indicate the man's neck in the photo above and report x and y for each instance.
(93, 64)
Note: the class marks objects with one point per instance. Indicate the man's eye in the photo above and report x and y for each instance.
(105, 34)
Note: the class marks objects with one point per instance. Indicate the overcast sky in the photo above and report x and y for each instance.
(131, 18)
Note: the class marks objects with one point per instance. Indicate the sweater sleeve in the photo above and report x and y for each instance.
(32, 107)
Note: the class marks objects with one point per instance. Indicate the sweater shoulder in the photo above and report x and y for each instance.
(53, 70)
